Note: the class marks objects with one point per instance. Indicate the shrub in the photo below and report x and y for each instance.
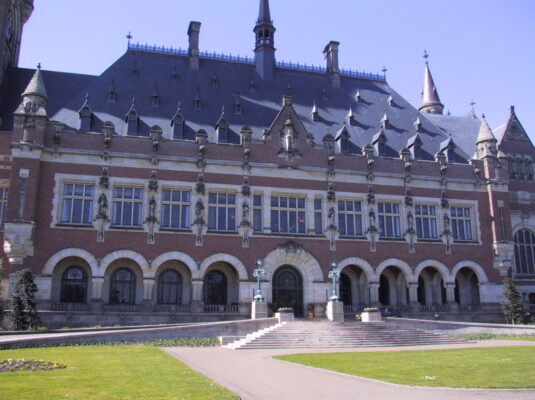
(513, 309)
(23, 309)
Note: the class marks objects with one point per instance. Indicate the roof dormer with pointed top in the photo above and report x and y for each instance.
(486, 141)
(86, 115)
(34, 96)
(430, 99)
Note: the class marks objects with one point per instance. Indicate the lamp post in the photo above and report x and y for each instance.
(258, 273)
(334, 274)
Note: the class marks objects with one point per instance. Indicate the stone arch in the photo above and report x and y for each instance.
(359, 262)
(396, 262)
(177, 256)
(475, 267)
(444, 271)
(301, 259)
(51, 263)
(227, 258)
(132, 255)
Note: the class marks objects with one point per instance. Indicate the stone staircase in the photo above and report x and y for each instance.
(324, 334)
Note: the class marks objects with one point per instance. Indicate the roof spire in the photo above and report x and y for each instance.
(264, 16)
(265, 43)
(430, 99)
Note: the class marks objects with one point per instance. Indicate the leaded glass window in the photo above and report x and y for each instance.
(461, 223)
(389, 220)
(350, 217)
(426, 221)
(288, 214)
(123, 287)
(77, 203)
(222, 211)
(525, 252)
(74, 286)
(175, 209)
(170, 287)
(127, 206)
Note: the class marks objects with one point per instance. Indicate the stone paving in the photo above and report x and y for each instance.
(255, 375)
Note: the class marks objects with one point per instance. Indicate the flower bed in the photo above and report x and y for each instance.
(29, 365)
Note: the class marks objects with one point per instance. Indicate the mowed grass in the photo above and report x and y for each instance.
(485, 368)
(141, 372)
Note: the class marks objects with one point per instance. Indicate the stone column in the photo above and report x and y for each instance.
(374, 293)
(450, 296)
(196, 295)
(97, 299)
(148, 288)
(413, 292)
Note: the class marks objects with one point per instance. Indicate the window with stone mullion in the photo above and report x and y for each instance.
(350, 218)
(426, 221)
(525, 252)
(389, 220)
(288, 214)
(127, 206)
(175, 209)
(222, 211)
(77, 204)
(461, 223)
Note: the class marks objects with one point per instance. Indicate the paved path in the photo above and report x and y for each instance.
(255, 375)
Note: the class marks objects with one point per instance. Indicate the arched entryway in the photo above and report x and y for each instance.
(288, 289)
(392, 287)
(467, 287)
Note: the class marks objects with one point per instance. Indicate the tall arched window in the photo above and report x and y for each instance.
(525, 252)
(170, 287)
(215, 288)
(74, 286)
(123, 287)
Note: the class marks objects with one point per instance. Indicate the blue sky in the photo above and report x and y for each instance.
(479, 49)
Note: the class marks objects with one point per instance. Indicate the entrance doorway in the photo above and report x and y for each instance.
(288, 289)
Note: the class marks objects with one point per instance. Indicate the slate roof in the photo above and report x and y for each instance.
(135, 74)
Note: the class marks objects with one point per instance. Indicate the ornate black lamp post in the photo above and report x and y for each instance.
(258, 273)
(334, 274)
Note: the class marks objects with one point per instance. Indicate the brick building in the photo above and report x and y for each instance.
(148, 193)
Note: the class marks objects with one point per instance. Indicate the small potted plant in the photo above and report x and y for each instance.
(310, 310)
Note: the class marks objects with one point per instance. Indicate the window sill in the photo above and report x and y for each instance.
(360, 237)
(65, 225)
(465, 242)
(182, 230)
(127, 228)
(422, 240)
(392, 239)
(223, 232)
(289, 234)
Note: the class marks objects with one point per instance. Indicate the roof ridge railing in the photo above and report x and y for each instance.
(250, 61)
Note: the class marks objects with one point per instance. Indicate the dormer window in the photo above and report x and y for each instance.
(222, 131)
(132, 119)
(289, 139)
(415, 146)
(324, 94)
(448, 148)
(385, 122)
(237, 106)
(252, 86)
(177, 123)
(379, 142)
(112, 94)
(155, 97)
(343, 141)
(215, 82)
(86, 117)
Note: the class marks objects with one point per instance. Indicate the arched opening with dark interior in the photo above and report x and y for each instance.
(467, 287)
(392, 287)
(170, 287)
(431, 289)
(288, 289)
(221, 285)
(74, 285)
(123, 286)
(354, 290)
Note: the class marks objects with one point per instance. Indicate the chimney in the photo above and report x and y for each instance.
(193, 52)
(331, 56)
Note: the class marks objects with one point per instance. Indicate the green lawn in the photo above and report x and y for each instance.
(489, 368)
(529, 338)
(141, 372)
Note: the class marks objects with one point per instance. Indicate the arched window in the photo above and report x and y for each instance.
(170, 287)
(525, 252)
(123, 287)
(215, 288)
(74, 286)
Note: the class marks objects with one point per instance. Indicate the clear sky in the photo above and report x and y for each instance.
(479, 49)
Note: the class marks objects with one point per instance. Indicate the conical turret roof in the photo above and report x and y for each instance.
(264, 15)
(430, 99)
(36, 87)
(485, 133)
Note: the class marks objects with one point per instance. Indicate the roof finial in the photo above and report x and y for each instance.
(426, 56)
(264, 16)
(129, 37)
(38, 65)
(384, 70)
(472, 104)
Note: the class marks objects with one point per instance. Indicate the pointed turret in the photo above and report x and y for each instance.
(485, 133)
(34, 97)
(486, 141)
(430, 99)
(265, 43)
